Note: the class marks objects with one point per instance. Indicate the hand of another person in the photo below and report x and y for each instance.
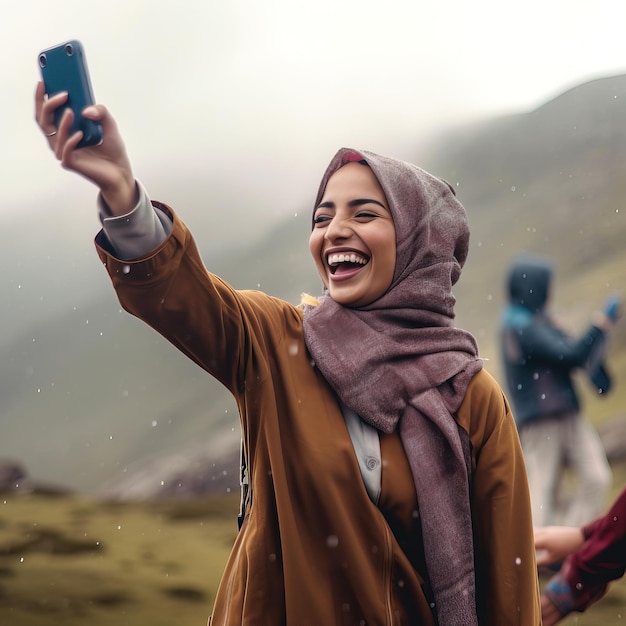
(554, 543)
(613, 308)
(550, 615)
(106, 165)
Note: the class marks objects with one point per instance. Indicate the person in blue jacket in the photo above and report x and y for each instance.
(539, 361)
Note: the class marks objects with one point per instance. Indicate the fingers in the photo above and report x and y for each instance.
(99, 113)
(539, 537)
(105, 164)
(60, 138)
(39, 97)
(96, 112)
(63, 139)
(45, 109)
(543, 553)
(555, 543)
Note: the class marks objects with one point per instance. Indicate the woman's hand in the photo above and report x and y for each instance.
(554, 543)
(106, 165)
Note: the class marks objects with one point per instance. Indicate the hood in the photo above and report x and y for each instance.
(528, 282)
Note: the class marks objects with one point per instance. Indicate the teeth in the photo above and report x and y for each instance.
(335, 259)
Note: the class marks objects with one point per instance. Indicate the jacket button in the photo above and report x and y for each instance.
(371, 463)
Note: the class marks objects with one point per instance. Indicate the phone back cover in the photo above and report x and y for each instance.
(68, 72)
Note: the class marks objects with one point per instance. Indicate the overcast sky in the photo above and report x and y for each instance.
(278, 85)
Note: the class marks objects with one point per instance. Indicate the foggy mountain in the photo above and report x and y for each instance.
(549, 182)
(89, 397)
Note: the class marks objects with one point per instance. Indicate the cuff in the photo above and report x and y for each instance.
(560, 594)
(136, 234)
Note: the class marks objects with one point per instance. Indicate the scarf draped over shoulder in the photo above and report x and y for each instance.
(400, 362)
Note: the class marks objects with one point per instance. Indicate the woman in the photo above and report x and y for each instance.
(386, 479)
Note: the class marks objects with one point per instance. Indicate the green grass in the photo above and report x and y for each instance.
(75, 561)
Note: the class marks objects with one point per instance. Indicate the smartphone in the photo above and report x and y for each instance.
(64, 68)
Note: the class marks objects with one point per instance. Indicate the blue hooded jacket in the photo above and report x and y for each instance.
(539, 358)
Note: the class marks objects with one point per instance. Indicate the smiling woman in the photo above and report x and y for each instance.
(353, 242)
(386, 482)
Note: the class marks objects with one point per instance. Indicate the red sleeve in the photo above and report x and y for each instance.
(601, 559)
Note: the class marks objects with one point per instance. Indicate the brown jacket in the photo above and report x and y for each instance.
(313, 549)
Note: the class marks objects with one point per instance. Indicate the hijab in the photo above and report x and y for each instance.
(399, 362)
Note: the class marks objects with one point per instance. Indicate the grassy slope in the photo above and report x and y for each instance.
(74, 560)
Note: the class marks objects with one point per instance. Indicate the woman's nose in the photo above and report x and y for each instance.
(337, 229)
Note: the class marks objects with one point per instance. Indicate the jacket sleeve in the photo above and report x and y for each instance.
(137, 233)
(586, 573)
(547, 343)
(506, 570)
(171, 290)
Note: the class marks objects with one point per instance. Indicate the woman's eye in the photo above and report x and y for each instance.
(321, 219)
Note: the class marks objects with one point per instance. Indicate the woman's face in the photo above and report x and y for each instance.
(353, 241)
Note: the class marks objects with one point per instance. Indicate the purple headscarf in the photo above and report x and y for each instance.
(399, 362)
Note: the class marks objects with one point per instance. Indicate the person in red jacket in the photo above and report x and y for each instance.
(594, 555)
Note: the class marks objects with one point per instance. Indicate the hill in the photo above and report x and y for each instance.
(546, 182)
(92, 399)
(73, 561)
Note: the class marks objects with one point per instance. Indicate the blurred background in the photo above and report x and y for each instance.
(231, 112)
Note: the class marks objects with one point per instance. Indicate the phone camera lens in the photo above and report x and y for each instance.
(69, 49)
(42, 60)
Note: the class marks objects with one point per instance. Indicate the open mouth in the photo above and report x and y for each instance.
(340, 262)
